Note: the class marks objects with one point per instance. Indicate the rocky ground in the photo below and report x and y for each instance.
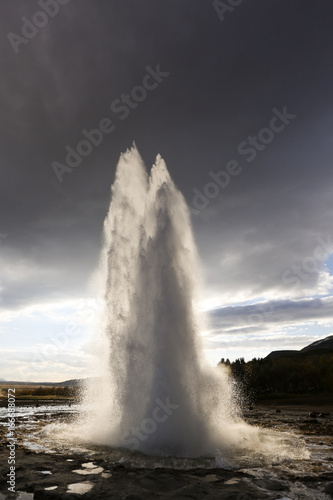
(72, 475)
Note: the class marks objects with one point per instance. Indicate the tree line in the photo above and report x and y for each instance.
(53, 391)
(301, 373)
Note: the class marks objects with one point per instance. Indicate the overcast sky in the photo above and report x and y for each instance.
(237, 100)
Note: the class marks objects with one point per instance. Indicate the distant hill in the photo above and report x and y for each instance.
(282, 354)
(326, 343)
(67, 383)
(323, 345)
(72, 382)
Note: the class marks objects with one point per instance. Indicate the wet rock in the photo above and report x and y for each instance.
(41, 494)
(119, 467)
(326, 476)
(29, 487)
(270, 484)
(277, 411)
(329, 489)
(312, 414)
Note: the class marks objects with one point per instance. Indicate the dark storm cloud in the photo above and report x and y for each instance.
(225, 79)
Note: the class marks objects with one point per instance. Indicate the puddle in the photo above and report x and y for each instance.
(210, 478)
(86, 472)
(89, 468)
(106, 475)
(234, 481)
(79, 488)
(45, 471)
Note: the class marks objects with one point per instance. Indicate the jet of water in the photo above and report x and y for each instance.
(155, 392)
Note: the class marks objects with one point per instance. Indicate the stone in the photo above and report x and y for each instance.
(41, 494)
(270, 484)
(329, 489)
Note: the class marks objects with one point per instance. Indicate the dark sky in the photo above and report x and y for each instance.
(225, 78)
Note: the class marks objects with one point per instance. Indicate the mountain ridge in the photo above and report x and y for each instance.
(325, 344)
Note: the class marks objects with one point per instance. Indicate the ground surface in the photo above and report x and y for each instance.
(105, 479)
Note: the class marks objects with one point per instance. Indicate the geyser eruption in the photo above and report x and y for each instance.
(162, 398)
(155, 392)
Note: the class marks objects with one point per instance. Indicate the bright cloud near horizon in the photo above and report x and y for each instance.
(240, 110)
